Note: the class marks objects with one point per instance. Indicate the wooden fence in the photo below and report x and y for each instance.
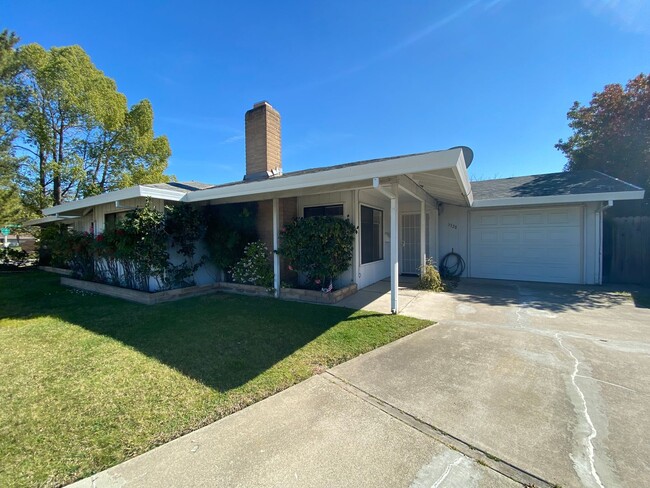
(626, 250)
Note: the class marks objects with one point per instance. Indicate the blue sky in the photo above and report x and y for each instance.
(354, 80)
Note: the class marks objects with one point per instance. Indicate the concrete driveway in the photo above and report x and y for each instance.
(518, 384)
(552, 379)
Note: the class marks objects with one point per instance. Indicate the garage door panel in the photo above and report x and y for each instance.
(534, 245)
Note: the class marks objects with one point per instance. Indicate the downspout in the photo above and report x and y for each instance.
(600, 211)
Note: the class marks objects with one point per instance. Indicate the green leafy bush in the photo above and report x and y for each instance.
(81, 252)
(319, 247)
(54, 249)
(430, 277)
(229, 228)
(142, 248)
(184, 225)
(254, 268)
(14, 256)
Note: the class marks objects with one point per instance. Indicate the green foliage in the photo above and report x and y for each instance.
(142, 247)
(106, 252)
(73, 129)
(254, 268)
(53, 246)
(133, 252)
(12, 256)
(319, 247)
(230, 227)
(612, 133)
(12, 209)
(184, 225)
(81, 252)
(430, 277)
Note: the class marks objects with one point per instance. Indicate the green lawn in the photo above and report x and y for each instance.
(88, 381)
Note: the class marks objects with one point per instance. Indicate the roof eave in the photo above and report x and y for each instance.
(114, 196)
(559, 199)
(379, 169)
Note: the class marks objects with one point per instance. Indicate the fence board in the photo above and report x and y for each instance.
(627, 250)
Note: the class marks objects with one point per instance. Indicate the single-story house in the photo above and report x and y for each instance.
(535, 228)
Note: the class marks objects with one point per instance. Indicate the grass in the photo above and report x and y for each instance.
(88, 381)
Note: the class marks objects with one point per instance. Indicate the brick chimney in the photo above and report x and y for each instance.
(263, 150)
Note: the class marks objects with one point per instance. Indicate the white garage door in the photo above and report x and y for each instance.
(542, 244)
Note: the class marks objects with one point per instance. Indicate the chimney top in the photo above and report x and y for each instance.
(263, 140)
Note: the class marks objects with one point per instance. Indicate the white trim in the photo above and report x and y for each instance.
(111, 197)
(418, 163)
(460, 172)
(556, 199)
(276, 242)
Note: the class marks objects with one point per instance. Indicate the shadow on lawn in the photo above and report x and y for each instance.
(221, 340)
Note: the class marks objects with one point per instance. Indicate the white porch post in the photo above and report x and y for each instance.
(394, 249)
(276, 256)
(423, 235)
(356, 220)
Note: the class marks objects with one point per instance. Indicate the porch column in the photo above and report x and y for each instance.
(276, 243)
(423, 235)
(394, 249)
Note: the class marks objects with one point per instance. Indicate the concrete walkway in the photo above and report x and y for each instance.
(518, 384)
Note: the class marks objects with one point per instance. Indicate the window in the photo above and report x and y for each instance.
(372, 225)
(111, 220)
(324, 211)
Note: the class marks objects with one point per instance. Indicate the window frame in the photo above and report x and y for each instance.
(339, 204)
(380, 234)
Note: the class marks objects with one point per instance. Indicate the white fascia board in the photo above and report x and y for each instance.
(115, 196)
(379, 169)
(460, 171)
(48, 220)
(558, 199)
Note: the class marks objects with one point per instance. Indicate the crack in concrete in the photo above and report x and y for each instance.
(592, 435)
(444, 475)
(606, 382)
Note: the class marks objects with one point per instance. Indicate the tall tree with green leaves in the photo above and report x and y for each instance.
(11, 207)
(75, 131)
(612, 133)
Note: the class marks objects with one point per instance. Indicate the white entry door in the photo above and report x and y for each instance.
(410, 235)
(541, 244)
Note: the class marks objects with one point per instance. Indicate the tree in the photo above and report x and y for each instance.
(74, 129)
(612, 133)
(11, 207)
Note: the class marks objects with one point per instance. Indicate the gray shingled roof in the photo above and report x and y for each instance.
(566, 183)
(186, 186)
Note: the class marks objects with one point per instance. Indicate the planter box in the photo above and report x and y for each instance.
(315, 296)
(139, 296)
(51, 269)
(243, 289)
(148, 298)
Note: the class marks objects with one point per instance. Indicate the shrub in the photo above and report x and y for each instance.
(81, 254)
(254, 268)
(184, 225)
(229, 228)
(320, 247)
(141, 247)
(54, 248)
(430, 277)
(13, 256)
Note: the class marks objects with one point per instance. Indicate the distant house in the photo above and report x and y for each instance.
(536, 228)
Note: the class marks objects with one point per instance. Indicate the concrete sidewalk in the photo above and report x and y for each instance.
(517, 384)
(315, 434)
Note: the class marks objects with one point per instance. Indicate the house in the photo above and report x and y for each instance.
(535, 228)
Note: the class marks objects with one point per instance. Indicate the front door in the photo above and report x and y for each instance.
(410, 244)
